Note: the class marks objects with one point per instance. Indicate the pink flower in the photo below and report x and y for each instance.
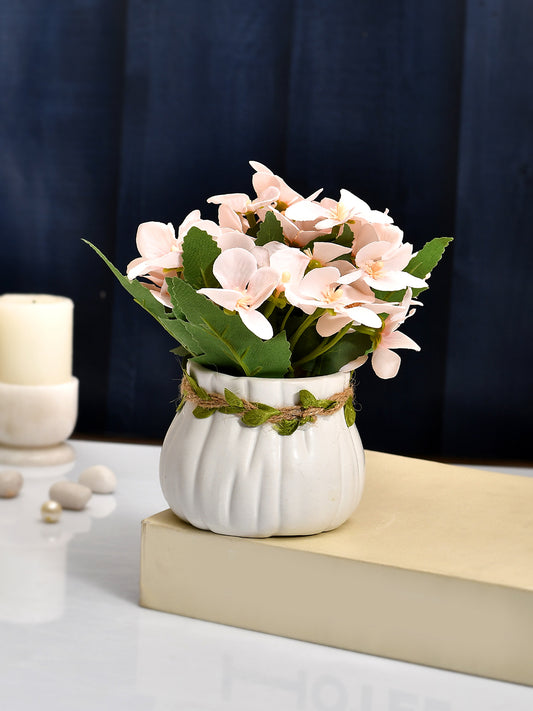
(264, 179)
(330, 213)
(365, 233)
(158, 247)
(319, 288)
(241, 203)
(290, 265)
(244, 288)
(325, 254)
(380, 265)
(385, 362)
(296, 234)
(229, 219)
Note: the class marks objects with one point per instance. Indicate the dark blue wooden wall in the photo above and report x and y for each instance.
(113, 113)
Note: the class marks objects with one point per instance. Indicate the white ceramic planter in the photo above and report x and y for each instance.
(220, 475)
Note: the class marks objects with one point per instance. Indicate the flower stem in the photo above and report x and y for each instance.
(284, 322)
(270, 306)
(250, 216)
(303, 326)
(324, 347)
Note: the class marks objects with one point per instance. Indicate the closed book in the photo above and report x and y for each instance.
(435, 567)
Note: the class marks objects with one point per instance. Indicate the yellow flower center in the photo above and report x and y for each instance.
(332, 294)
(374, 269)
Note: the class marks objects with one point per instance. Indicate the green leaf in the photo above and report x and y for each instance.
(345, 239)
(179, 329)
(232, 399)
(270, 230)
(203, 413)
(267, 408)
(286, 427)
(199, 252)
(421, 265)
(223, 340)
(199, 391)
(428, 257)
(254, 418)
(349, 413)
(307, 399)
(180, 351)
(140, 293)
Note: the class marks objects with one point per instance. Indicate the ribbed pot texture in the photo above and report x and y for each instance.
(221, 475)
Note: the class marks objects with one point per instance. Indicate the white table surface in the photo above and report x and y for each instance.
(73, 637)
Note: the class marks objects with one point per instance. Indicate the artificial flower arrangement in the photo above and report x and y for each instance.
(282, 286)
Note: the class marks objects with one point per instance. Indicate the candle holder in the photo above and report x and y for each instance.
(38, 394)
(35, 421)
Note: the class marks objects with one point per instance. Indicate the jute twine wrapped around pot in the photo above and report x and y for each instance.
(254, 414)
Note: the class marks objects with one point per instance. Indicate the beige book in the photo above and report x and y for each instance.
(435, 567)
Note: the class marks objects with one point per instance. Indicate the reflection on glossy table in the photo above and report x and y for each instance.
(73, 638)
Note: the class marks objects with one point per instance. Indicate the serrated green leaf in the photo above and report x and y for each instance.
(199, 252)
(230, 410)
(420, 266)
(254, 418)
(179, 330)
(307, 399)
(223, 340)
(428, 257)
(349, 413)
(232, 399)
(325, 404)
(286, 427)
(270, 230)
(199, 391)
(203, 413)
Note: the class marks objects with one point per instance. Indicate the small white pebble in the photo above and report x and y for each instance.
(70, 495)
(10, 483)
(99, 478)
(51, 511)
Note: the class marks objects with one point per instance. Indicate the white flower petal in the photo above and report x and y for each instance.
(227, 298)
(304, 210)
(318, 280)
(231, 240)
(154, 239)
(400, 340)
(385, 363)
(327, 325)
(256, 323)
(259, 167)
(234, 268)
(364, 316)
(261, 285)
(378, 217)
(353, 364)
(355, 205)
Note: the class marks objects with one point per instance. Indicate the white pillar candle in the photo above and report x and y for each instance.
(35, 339)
